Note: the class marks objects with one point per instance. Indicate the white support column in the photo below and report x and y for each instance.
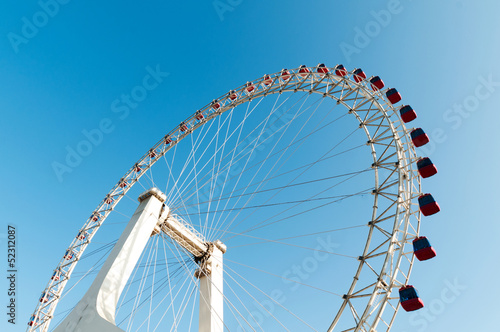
(96, 311)
(211, 316)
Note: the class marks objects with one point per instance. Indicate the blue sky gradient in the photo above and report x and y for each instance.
(69, 75)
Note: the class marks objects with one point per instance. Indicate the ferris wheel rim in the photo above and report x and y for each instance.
(260, 88)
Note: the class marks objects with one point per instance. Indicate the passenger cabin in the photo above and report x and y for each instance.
(407, 113)
(44, 298)
(233, 95)
(215, 105)
(33, 321)
(183, 127)
(68, 255)
(322, 69)
(426, 168)
(285, 74)
(56, 275)
(303, 71)
(340, 70)
(393, 96)
(82, 235)
(428, 206)
(419, 137)
(376, 83)
(267, 80)
(249, 87)
(199, 115)
(359, 75)
(423, 249)
(408, 297)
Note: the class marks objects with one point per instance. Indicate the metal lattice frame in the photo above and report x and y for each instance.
(398, 224)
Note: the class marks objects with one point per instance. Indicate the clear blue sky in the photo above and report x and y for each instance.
(64, 76)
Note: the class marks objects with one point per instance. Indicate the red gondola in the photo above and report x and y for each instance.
(285, 74)
(122, 184)
(199, 115)
(426, 168)
(393, 96)
(303, 71)
(56, 275)
(267, 80)
(168, 140)
(33, 321)
(340, 70)
(423, 249)
(82, 235)
(233, 95)
(419, 137)
(183, 127)
(376, 83)
(408, 297)
(108, 200)
(322, 69)
(428, 205)
(137, 168)
(44, 298)
(152, 153)
(407, 113)
(215, 104)
(68, 255)
(249, 87)
(359, 75)
(95, 216)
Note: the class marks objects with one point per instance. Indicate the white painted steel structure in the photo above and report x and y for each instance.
(96, 310)
(370, 305)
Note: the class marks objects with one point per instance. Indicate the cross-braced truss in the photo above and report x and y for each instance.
(384, 265)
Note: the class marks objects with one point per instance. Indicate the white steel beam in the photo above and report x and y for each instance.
(211, 315)
(96, 310)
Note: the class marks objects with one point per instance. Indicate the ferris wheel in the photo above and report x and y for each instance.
(290, 203)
